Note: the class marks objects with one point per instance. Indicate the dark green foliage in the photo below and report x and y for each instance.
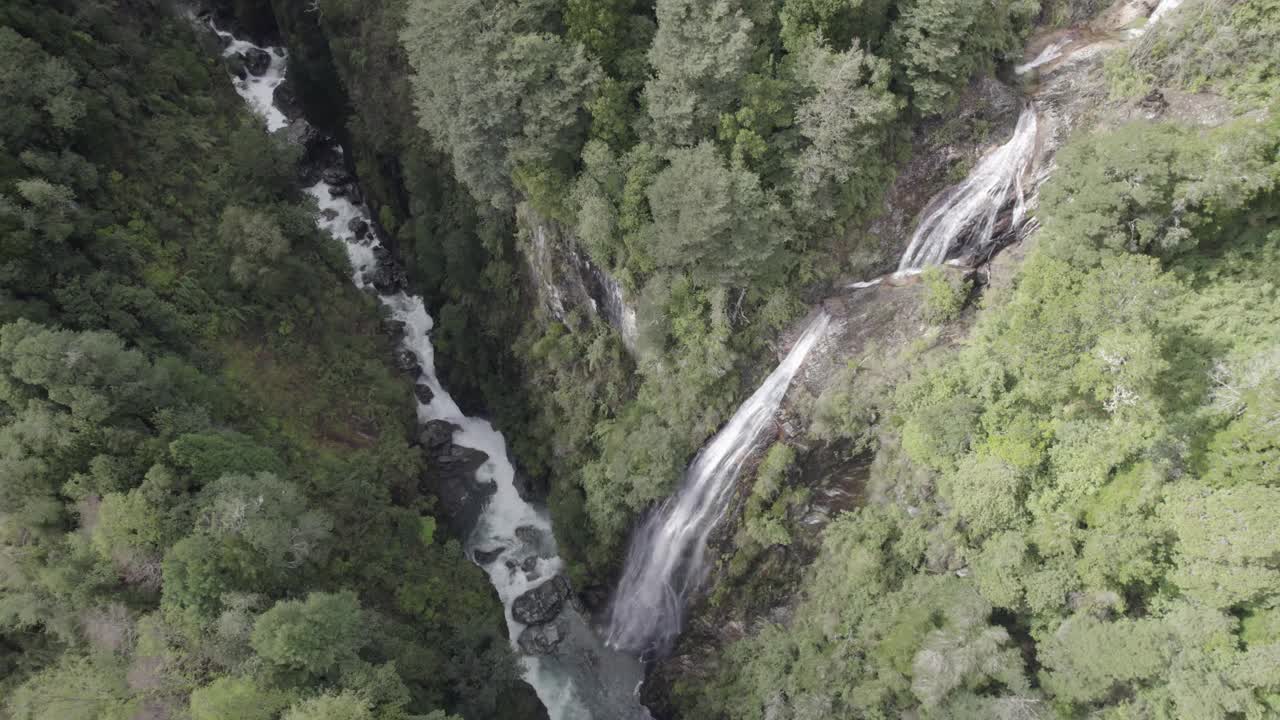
(199, 420)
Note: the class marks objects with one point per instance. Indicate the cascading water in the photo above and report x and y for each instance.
(666, 560)
(966, 214)
(580, 679)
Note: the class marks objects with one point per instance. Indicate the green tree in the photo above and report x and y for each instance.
(315, 636)
(938, 44)
(497, 91)
(700, 54)
(846, 124)
(232, 697)
(713, 220)
(1228, 554)
(341, 706)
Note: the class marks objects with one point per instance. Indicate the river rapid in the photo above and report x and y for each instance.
(581, 679)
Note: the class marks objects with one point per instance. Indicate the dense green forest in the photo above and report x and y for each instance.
(211, 500)
(209, 503)
(1073, 514)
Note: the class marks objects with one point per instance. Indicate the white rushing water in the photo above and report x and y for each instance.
(1052, 52)
(259, 90)
(966, 214)
(583, 680)
(666, 561)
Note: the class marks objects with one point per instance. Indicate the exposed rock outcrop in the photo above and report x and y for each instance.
(542, 639)
(451, 475)
(257, 61)
(565, 279)
(543, 603)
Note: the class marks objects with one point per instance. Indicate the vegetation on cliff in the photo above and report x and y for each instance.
(1072, 514)
(208, 497)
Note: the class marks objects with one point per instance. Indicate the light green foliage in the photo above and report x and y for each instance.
(497, 90)
(1085, 659)
(267, 513)
(342, 706)
(231, 697)
(256, 240)
(1228, 554)
(846, 124)
(1095, 461)
(766, 112)
(986, 494)
(939, 44)
(712, 221)
(839, 22)
(699, 55)
(42, 92)
(1228, 47)
(765, 517)
(316, 635)
(76, 688)
(945, 295)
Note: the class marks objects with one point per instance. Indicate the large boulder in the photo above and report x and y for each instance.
(358, 227)
(542, 639)
(423, 393)
(529, 489)
(486, 557)
(257, 61)
(286, 98)
(336, 175)
(543, 603)
(388, 278)
(437, 435)
(451, 475)
(407, 362)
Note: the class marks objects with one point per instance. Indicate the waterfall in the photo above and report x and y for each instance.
(666, 560)
(966, 215)
(579, 679)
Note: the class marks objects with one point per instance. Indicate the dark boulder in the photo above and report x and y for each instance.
(329, 214)
(359, 228)
(257, 61)
(542, 639)
(436, 435)
(393, 328)
(407, 362)
(423, 393)
(286, 98)
(336, 175)
(543, 603)
(529, 564)
(387, 278)
(451, 475)
(529, 489)
(485, 557)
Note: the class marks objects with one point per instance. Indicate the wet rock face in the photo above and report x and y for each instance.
(542, 604)
(257, 61)
(286, 98)
(319, 151)
(542, 639)
(451, 475)
(486, 557)
(529, 489)
(423, 393)
(407, 362)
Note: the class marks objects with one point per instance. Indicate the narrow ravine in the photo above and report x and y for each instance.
(574, 674)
